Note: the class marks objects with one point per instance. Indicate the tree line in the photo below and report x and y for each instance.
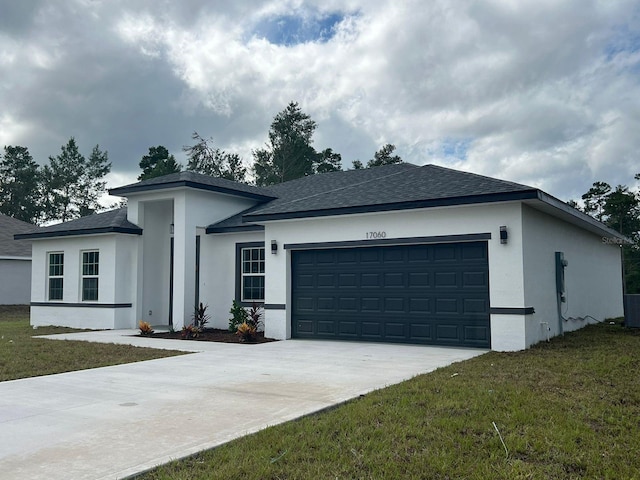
(70, 185)
(288, 154)
(619, 209)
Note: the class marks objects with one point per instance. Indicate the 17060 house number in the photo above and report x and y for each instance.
(375, 235)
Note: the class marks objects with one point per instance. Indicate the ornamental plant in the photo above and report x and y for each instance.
(201, 317)
(145, 328)
(189, 332)
(255, 316)
(246, 332)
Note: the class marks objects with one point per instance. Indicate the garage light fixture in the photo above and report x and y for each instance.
(274, 247)
(503, 234)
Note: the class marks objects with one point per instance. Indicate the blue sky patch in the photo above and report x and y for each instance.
(624, 40)
(455, 148)
(289, 30)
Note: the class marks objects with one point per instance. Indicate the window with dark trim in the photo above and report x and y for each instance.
(55, 276)
(250, 278)
(90, 271)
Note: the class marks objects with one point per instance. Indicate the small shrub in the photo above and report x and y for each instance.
(238, 316)
(145, 328)
(246, 332)
(189, 332)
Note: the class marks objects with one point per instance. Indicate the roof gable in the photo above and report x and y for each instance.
(9, 247)
(197, 181)
(113, 221)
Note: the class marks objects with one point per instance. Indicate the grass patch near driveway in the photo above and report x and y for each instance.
(22, 355)
(565, 409)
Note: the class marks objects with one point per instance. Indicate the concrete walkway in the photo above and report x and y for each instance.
(112, 422)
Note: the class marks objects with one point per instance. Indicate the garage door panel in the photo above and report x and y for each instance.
(420, 331)
(304, 326)
(447, 333)
(474, 305)
(476, 334)
(326, 304)
(347, 280)
(429, 294)
(474, 279)
(394, 279)
(348, 304)
(349, 328)
(394, 305)
(445, 279)
(446, 305)
(418, 280)
(419, 305)
(369, 305)
(326, 327)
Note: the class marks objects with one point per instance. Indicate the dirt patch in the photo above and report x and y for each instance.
(212, 335)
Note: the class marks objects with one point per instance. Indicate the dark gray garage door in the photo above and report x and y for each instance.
(431, 294)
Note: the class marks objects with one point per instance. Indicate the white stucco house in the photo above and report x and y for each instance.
(15, 262)
(399, 253)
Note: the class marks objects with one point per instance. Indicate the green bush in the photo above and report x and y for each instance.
(238, 316)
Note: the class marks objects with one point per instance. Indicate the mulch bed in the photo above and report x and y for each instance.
(212, 335)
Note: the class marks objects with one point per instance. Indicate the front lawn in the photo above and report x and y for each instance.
(22, 355)
(565, 409)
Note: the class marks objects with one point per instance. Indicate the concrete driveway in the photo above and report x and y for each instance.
(116, 421)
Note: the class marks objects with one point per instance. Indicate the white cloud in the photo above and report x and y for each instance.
(539, 92)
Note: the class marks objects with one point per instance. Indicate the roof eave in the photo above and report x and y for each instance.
(438, 202)
(236, 229)
(124, 191)
(585, 221)
(82, 231)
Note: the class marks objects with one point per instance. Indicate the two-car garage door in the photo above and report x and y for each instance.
(430, 294)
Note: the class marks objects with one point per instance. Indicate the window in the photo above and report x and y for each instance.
(56, 273)
(90, 264)
(252, 287)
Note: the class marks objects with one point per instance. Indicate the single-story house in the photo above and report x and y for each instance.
(398, 253)
(15, 262)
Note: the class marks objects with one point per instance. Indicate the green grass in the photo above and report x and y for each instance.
(22, 355)
(566, 409)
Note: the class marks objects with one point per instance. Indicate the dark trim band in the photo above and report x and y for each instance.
(275, 306)
(512, 310)
(81, 305)
(238, 228)
(471, 237)
(123, 191)
(82, 231)
(386, 207)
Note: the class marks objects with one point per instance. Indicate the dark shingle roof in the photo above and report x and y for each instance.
(195, 180)
(9, 247)
(113, 221)
(392, 187)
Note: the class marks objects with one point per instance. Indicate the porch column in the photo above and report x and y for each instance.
(184, 262)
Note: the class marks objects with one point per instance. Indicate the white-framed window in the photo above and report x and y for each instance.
(252, 274)
(89, 275)
(55, 277)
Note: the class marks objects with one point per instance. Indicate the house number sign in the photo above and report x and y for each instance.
(375, 235)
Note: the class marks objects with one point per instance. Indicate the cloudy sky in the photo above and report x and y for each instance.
(541, 92)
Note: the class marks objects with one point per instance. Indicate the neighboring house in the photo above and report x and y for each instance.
(15, 262)
(398, 253)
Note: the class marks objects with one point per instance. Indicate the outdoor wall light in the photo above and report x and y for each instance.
(171, 229)
(503, 234)
(274, 247)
